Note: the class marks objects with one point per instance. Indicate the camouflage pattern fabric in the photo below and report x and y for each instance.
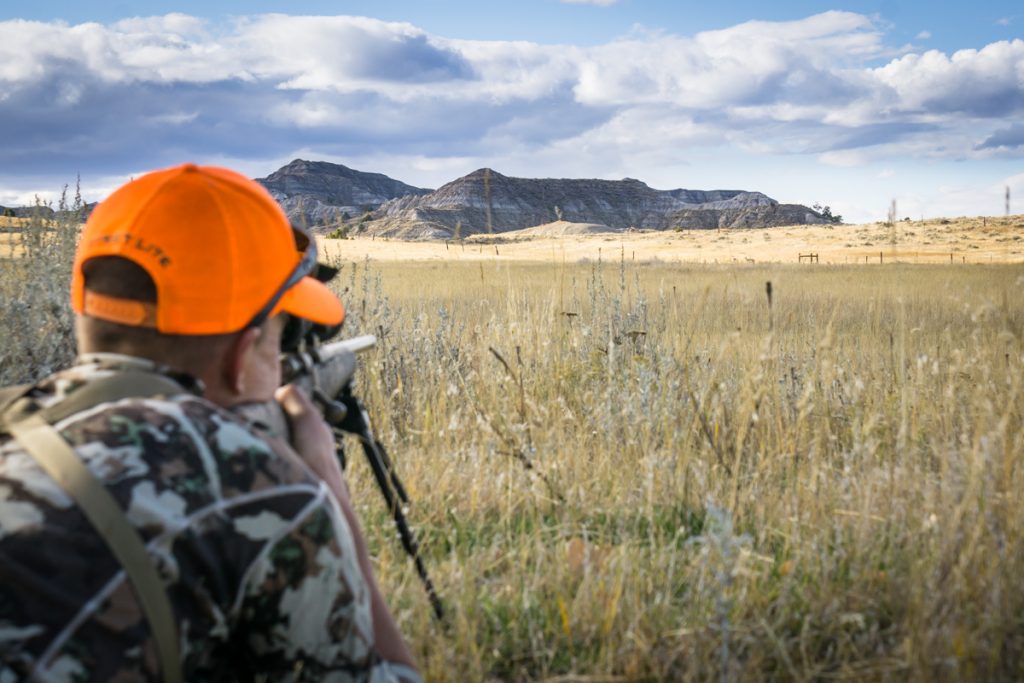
(257, 558)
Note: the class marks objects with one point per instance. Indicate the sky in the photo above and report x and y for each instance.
(852, 106)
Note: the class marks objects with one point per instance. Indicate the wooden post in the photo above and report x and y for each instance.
(879, 257)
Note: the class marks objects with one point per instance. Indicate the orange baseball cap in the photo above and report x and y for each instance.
(220, 250)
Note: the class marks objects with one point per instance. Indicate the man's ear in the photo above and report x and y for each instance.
(235, 359)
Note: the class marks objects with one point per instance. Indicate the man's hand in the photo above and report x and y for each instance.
(312, 438)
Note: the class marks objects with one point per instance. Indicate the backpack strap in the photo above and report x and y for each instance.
(33, 431)
(9, 396)
(118, 386)
(16, 402)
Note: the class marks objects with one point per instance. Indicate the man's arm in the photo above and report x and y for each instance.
(314, 443)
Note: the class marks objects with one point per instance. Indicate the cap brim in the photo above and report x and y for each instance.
(312, 300)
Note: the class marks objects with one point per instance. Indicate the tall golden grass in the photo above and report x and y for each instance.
(643, 472)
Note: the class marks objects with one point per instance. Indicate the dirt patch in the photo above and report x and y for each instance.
(562, 229)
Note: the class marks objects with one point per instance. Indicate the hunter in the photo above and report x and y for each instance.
(149, 533)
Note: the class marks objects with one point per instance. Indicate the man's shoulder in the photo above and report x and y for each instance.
(186, 433)
(179, 440)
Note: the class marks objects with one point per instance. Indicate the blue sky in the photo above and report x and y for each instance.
(851, 105)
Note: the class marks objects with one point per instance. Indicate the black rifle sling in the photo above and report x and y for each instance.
(34, 432)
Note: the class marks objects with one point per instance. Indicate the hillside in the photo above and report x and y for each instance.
(324, 196)
(486, 201)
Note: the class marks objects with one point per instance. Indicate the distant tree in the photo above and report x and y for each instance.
(826, 213)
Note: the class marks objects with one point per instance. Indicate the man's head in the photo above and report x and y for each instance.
(192, 266)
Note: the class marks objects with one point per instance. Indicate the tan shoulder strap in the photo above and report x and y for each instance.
(9, 396)
(122, 384)
(16, 404)
(60, 461)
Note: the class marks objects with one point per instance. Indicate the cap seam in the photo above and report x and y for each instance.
(232, 285)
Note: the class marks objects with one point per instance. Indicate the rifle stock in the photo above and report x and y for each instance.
(325, 372)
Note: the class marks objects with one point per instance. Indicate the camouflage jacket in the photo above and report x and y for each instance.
(257, 558)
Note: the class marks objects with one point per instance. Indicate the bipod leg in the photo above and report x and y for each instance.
(393, 498)
(382, 455)
(355, 420)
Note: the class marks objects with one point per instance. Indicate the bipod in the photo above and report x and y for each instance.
(356, 421)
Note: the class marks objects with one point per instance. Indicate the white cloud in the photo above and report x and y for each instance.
(924, 35)
(261, 87)
(750, 63)
(986, 82)
(1004, 21)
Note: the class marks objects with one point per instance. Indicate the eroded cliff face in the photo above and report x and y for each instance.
(326, 196)
(487, 201)
(319, 194)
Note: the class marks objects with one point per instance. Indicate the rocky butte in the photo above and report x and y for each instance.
(320, 194)
(326, 196)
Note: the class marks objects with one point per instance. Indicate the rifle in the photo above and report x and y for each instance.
(325, 372)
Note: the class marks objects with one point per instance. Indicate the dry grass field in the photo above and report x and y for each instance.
(641, 469)
(963, 240)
